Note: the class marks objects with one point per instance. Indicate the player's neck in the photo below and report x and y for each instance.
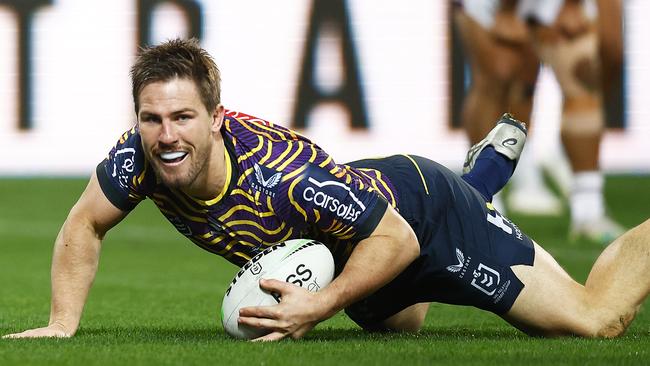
(212, 181)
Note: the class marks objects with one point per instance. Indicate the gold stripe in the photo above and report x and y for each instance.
(243, 193)
(181, 196)
(314, 153)
(295, 172)
(325, 162)
(283, 155)
(292, 158)
(166, 200)
(218, 239)
(383, 183)
(242, 255)
(334, 222)
(225, 186)
(269, 205)
(247, 233)
(268, 128)
(245, 125)
(253, 223)
(317, 214)
(244, 175)
(244, 208)
(257, 148)
(346, 231)
(288, 235)
(268, 153)
(293, 202)
(424, 183)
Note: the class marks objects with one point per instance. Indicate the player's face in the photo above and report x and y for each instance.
(178, 132)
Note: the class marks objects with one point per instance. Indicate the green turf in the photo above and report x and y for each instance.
(156, 299)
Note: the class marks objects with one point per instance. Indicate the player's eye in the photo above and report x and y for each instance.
(149, 118)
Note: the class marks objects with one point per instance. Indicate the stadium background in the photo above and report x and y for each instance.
(156, 297)
(361, 77)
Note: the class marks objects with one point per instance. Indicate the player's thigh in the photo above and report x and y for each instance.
(551, 302)
(410, 319)
(575, 61)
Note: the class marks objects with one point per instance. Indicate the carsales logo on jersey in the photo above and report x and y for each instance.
(328, 195)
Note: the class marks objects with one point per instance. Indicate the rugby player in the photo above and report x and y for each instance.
(404, 230)
(505, 41)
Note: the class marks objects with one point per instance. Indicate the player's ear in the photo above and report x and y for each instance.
(217, 118)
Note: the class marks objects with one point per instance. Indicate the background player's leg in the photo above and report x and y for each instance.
(553, 304)
(572, 52)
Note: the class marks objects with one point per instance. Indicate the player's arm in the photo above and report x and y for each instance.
(375, 261)
(75, 260)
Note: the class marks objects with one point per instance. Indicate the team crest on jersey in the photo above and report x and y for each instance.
(123, 165)
(266, 180)
(486, 279)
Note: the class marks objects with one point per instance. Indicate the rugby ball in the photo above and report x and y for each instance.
(302, 262)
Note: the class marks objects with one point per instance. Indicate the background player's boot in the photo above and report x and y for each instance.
(602, 230)
(507, 138)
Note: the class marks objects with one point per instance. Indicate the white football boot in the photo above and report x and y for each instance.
(602, 230)
(508, 138)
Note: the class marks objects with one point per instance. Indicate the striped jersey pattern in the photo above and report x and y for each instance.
(280, 186)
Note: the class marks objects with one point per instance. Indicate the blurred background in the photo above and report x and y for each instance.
(360, 77)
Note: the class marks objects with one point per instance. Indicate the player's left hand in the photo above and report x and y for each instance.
(297, 313)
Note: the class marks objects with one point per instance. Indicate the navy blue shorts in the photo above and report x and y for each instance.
(466, 246)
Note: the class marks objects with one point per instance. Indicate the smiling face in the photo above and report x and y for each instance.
(180, 137)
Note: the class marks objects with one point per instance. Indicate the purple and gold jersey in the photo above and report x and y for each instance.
(280, 186)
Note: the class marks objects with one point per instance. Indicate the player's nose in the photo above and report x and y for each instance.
(168, 134)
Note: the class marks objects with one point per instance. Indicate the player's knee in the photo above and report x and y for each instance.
(582, 115)
(601, 323)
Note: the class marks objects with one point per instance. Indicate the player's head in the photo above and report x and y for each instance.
(176, 95)
(177, 58)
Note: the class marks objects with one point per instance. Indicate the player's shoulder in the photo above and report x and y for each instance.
(244, 126)
(126, 159)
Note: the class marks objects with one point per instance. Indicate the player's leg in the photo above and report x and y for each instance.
(503, 74)
(490, 163)
(410, 319)
(553, 304)
(573, 56)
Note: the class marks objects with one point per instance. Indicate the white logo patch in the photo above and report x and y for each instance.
(461, 260)
(486, 279)
(267, 183)
(323, 198)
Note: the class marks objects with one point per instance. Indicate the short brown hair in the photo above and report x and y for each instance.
(182, 58)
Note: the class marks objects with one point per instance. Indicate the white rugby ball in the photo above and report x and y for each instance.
(303, 262)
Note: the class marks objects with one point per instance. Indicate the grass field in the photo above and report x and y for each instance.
(156, 299)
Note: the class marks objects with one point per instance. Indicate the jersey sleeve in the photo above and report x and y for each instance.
(122, 174)
(335, 200)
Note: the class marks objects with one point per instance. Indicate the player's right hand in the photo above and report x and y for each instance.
(55, 330)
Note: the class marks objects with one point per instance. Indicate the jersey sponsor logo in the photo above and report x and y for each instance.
(328, 195)
(486, 279)
(268, 186)
(461, 267)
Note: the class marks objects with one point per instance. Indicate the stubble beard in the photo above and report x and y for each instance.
(184, 180)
